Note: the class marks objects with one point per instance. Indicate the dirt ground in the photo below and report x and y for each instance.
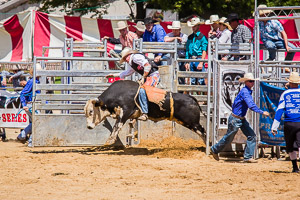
(171, 169)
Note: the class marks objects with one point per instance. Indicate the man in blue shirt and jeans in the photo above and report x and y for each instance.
(155, 33)
(237, 120)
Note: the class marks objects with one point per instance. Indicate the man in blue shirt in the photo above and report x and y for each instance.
(26, 100)
(289, 104)
(154, 33)
(273, 36)
(237, 120)
(196, 48)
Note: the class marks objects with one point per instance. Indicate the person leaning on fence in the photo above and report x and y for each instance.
(273, 36)
(213, 22)
(155, 33)
(196, 48)
(126, 37)
(140, 29)
(26, 100)
(181, 38)
(225, 29)
(289, 104)
(240, 34)
(139, 63)
(237, 121)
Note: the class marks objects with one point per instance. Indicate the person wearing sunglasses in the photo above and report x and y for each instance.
(237, 121)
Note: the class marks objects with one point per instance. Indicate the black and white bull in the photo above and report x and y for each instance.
(118, 102)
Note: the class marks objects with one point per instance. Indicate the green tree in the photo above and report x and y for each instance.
(203, 8)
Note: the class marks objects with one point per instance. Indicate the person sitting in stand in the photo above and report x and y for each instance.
(273, 35)
(181, 38)
(126, 37)
(154, 33)
(140, 29)
(213, 22)
(196, 48)
(139, 63)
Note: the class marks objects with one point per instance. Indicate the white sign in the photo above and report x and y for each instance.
(229, 88)
(11, 118)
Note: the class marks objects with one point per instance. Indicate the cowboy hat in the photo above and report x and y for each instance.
(212, 19)
(38, 67)
(126, 51)
(262, 12)
(232, 16)
(195, 21)
(175, 25)
(247, 77)
(140, 26)
(294, 78)
(121, 25)
(222, 21)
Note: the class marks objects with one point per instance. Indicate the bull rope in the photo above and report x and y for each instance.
(135, 98)
(171, 107)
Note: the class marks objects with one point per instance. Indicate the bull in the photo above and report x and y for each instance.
(118, 101)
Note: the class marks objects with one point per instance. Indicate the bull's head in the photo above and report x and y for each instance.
(94, 113)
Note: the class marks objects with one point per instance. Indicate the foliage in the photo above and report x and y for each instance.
(79, 7)
(203, 8)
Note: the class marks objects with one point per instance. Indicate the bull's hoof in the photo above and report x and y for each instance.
(110, 141)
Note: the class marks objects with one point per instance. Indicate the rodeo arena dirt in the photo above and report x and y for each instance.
(79, 131)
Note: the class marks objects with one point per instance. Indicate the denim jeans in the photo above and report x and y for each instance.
(28, 129)
(273, 45)
(233, 126)
(143, 100)
(193, 68)
(164, 62)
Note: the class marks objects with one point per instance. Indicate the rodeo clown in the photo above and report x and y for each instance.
(139, 63)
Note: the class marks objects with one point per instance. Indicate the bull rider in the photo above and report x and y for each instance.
(138, 62)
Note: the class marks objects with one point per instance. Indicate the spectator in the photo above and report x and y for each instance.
(15, 78)
(140, 29)
(240, 33)
(26, 100)
(225, 30)
(237, 120)
(196, 48)
(154, 33)
(126, 37)
(4, 74)
(181, 38)
(139, 63)
(213, 22)
(273, 36)
(289, 104)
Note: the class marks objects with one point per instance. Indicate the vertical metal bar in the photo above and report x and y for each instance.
(141, 45)
(216, 86)
(105, 48)
(208, 98)
(33, 98)
(256, 74)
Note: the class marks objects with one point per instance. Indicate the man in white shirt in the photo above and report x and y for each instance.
(139, 63)
(181, 38)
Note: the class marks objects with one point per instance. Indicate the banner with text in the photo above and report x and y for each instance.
(269, 99)
(12, 118)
